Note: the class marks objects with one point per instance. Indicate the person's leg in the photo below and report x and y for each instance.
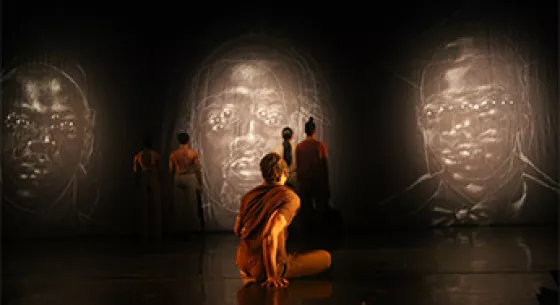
(306, 211)
(200, 207)
(156, 209)
(192, 219)
(144, 205)
(178, 208)
(307, 264)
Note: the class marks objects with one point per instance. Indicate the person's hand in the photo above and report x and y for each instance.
(275, 282)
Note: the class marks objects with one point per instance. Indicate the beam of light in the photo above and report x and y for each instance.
(245, 93)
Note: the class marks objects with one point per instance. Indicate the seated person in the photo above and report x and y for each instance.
(262, 222)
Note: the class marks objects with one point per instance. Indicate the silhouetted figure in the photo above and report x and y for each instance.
(262, 223)
(145, 166)
(184, 164)
(288, 152)
(313, 178)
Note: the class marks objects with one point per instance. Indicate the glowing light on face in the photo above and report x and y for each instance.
(476, 121)
(47, 133)
(471, 119)
(242, 99)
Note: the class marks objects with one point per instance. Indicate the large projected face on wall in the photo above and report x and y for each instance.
(47, 135)
(242, 98)
(473, 116)
(476, 118)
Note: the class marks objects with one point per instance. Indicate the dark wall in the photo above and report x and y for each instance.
(138, 67)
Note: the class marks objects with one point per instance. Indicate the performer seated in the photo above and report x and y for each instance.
(262, 222)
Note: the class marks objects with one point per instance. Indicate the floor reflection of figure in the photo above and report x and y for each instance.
(184, 164)
(262, 223)
(146, 167)
(295, 294)
(313, 178)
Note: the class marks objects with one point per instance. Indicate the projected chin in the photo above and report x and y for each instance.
(43, 132)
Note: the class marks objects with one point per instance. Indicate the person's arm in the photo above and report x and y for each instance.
(237, 227)
(171, 165)
(276, 225)
(325, 167)
(197, 169)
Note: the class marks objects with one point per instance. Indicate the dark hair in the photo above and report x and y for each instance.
(147, 142)
(310, 127)
(183, 138)
(287, 134)
(272, 167)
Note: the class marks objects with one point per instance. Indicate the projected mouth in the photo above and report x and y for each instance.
(33, 171)
(470, 159)
(244, 171)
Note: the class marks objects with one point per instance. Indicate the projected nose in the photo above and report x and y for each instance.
(249, 140)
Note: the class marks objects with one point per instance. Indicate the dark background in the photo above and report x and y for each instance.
(139, 58)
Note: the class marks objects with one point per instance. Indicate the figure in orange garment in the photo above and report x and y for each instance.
(145, 166)
(313, 178)
(262, 224)
(184, 164)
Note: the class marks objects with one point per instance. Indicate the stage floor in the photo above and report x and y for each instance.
(486, 266)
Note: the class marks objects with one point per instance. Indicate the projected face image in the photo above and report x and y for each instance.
(241, 124)
(242, 97)
(472, 133)
(44, 132)
(477, 121)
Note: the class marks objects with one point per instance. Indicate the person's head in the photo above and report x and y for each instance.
(147, 142)
(310, 127)
(274, 169)
(287, 133)
(183, 138)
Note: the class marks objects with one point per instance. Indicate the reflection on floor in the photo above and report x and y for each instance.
(461, 266)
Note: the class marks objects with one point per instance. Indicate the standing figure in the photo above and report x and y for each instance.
(288, 152)
(313, 177)
(145, 166)
(184, 164)
(262, 223)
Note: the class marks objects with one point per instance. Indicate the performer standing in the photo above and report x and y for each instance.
(184, 164)
(313, 178)
(145, 166)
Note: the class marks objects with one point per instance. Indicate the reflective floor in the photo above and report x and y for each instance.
(468, 266)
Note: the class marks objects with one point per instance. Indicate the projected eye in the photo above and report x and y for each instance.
(271, 117)
(223, 119)
(432, 111)
(14, 121)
